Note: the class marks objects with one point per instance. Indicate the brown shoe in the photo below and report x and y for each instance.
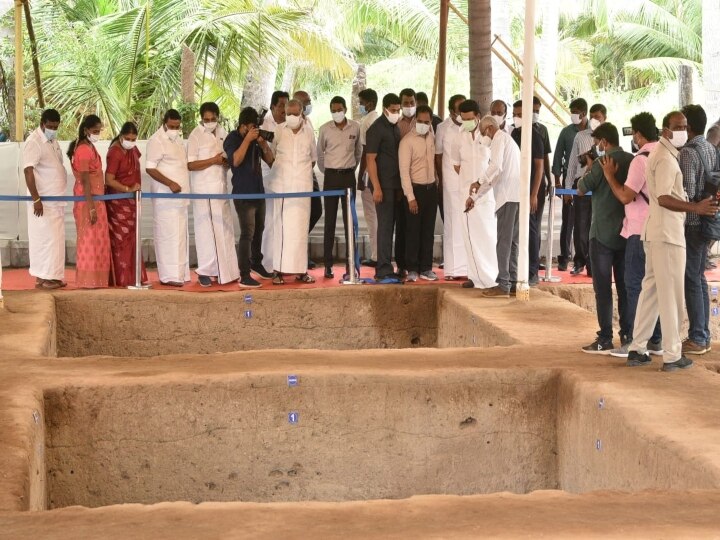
(495, 292)
(690, 347)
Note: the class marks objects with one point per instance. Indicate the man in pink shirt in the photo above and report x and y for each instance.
(634, 195)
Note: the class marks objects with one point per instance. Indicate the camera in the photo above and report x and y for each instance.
(585, 158)
(265, 134)
(627, 132)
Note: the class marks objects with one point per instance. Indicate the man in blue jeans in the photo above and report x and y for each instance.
(607, 247)
(634, 195)
(696, 289)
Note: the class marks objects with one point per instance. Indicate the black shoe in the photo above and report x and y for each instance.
(562, 267)
(329, 272)
(468, 284)
(441, 265)
(402, 273)
(682, 363)
(369, 262)
(311, 264)
(248, 283)
(589, 272)
(577, 270)
(260, 271)
(541, 266)
(635, 359)
(205, 281)
(387, 276)
(599, 346)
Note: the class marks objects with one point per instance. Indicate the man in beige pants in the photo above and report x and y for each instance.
(663, 288)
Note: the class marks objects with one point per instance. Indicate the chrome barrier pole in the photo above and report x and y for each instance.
(550, 239)
(352, 278)
(138, 247)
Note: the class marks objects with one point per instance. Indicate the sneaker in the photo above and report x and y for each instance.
(249, 283)
(412, 276)
(369, 262)
(682, 363)
(577, 270)
(496, 292)
(428, 275)
(599, 346)
(259, 270)
(690, 347)
(468, 284)
(329, 273)
(621, 352)
(205, 281)
(635, 359)
(655, 349)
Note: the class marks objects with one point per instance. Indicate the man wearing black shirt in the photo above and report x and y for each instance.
(244, 148)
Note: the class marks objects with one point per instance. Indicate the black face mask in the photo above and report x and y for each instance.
(634, 147)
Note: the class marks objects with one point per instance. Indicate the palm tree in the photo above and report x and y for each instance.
(479, 52)
(711, 57)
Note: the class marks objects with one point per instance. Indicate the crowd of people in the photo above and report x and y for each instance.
(648, 223)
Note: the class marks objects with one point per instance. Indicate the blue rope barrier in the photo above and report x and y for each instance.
(570, 192)
(202, 196)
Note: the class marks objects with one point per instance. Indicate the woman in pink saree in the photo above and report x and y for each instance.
(93, 240)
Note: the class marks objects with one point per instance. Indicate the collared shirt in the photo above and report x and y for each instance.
(405, 124)
(205, 145)
(269, 124)
(562, 150)
(581, 145)
(417, 161)
(544, 135)
(694, 174)
(472, 156)
(503, 172)
(664, 177)
(636, 211)
(365, 123)
(339, 147)
(170, 159)
(294, 154)
(607, 212)
(246, 177)
(383, 139)
(445, 137)
(46, 159)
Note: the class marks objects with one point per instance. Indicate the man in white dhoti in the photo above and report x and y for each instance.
(276, 116)
(470, 159)
(212, 218)
(45, 176)
(295, 156)
(166, 163)
(454, 257)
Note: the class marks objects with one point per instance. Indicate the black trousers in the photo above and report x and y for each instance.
(534, 235)
(581, 231)
(336, 180)
(420, 228)
(315, 206)
(391, 219)
(251, 215)
(606, 264)
(566, 230)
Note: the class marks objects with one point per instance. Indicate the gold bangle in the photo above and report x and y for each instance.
(37, 200)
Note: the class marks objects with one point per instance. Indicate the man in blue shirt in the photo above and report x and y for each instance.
(245, 148)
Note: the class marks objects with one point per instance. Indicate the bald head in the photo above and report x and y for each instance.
(303, 97)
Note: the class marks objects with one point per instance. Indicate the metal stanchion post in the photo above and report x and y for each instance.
(138, 247)
(352, 278)
(550, 239)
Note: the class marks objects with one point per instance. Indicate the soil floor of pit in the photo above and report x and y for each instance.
(679, 411)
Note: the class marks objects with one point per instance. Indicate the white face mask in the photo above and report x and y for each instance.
(307, 110)
(469, 125)
(292, 121)
(409, 112)
(575, 119)
(392, 117)
(50, 134)
(422, 129)
(210, 126)
(600, 153)
(499, 118)
(93, 138)
(679, 138)
(458, 119)
(517, 122)
(338, 117)
(172, 134)
(595, 123)
(536, 118)
(127, 145)
(486, 141)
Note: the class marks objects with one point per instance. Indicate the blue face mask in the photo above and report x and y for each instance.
(600, 153)
(362, 109)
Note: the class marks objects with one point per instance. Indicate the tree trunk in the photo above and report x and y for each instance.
(259, 83)
(711, 58)
(187, 74)
(502, 77)
(548, 46)
(685, 82)
(288, 77)
(33, 49)
(358, 85)
(481, 72)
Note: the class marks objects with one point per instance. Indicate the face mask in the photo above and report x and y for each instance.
(307, 110)
(172, 134)
(409, 112)
(338, 117)
(679, 138)
(93, 138)
(469, 125)
(594, 123)
(50, 134)
(210, 126)
(575, 119)
(486, 141)
(422, 129)
(536, 118)
(392, 117)
(292, 121)
(128, 145)
(600, 153)
(459, 119)
(517, 122)
(362, 110)
(500, 119)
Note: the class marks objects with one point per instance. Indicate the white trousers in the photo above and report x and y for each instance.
(172, 251)
(480, 235)
(46, 235)
(215, 240)
(454, 252)
(291, 224)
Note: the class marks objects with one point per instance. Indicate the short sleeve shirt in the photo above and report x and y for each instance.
(383, 139)
(46, 159)
(538, 148)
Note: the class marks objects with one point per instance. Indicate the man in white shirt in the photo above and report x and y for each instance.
(276, 116)
(368, 99)
(470, 159)
(503, 176)
(212, 218)
(166, 163)
(295, 156)
(453, 200)
(45, 176)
